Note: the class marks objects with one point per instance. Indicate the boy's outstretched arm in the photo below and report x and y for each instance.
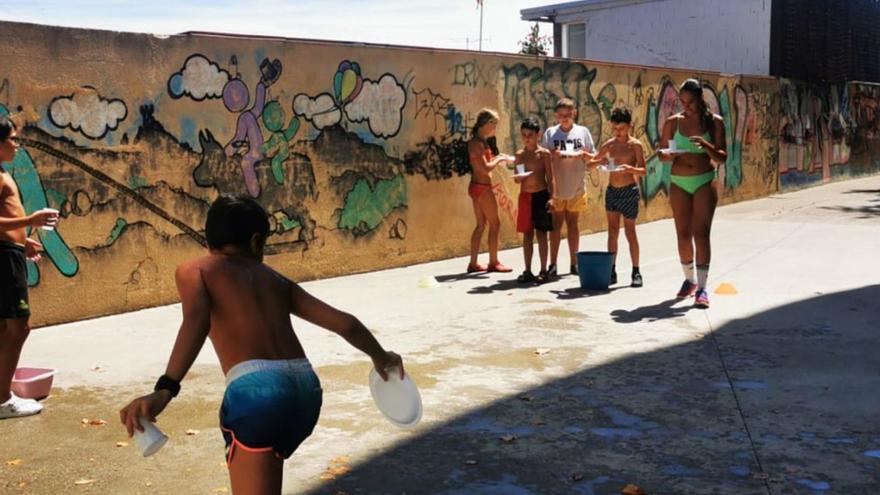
(313, 310)
(190, 339)
(38, 219)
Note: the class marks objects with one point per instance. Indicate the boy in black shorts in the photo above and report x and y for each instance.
(622, 195)
(15, 249)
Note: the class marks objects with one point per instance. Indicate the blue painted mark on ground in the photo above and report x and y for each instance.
(741, 471)
(839, 440)
(819, 486)
(738, 435)
(622, 418)
(630, 426)
(743, 455)
(872, 453)
(680, 470)
(807, 435)
(505, 486)
(589, 487)
(483, 424)
(750, 385)
(615, 432)
(455, 475)
(770, 437)
(742, 385)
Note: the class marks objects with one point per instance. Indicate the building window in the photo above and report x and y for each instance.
(576, 40)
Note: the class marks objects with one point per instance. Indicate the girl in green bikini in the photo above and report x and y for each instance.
(700, 144)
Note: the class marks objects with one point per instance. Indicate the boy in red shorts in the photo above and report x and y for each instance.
(534, 199)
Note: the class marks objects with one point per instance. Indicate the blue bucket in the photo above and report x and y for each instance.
(594, 268)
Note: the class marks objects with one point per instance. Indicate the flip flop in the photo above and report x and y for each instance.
(498, 267)
(476, 268)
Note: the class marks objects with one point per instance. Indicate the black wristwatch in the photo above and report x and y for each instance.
(165, 382)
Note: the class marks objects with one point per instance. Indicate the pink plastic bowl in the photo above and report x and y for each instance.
(33, 383)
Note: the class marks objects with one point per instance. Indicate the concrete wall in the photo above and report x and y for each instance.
(358, 152)
(719, 35)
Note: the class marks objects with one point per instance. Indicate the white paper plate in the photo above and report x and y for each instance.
(399, 400)
(524, 174)
(605, 168)
(670, 152)
(569, 154)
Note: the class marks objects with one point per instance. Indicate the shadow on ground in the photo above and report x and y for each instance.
(781, 402)
(461, 277)
(660, 311)
(869, 210)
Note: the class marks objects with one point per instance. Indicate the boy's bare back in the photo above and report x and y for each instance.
(246, 305)
(537, 162)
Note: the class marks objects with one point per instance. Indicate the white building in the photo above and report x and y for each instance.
(729, 36)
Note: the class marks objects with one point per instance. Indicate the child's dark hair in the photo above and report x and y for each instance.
(621, 115)
(531, 124)
(233, 220)
(6, 127)
(693, 87)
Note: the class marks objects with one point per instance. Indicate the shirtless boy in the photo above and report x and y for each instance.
(273, 397)
(534, 200)
(622, 195)
(15, 249)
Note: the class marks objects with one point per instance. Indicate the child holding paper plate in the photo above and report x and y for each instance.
(623, 157)
(273, 397)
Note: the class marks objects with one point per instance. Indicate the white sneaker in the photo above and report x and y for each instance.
(16, 407)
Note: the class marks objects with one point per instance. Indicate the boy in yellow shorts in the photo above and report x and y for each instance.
(572, 148)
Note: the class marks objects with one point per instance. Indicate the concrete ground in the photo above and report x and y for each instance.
(772, 390)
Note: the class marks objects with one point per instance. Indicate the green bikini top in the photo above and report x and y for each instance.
(683, 143)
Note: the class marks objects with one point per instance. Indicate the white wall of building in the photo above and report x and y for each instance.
(730, 36)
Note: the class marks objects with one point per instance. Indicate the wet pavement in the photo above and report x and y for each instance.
(532, 390)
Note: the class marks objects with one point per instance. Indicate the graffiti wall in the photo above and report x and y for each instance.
(748, 106)
(358, 153)
(827, 132)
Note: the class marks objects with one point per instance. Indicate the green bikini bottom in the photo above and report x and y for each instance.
(691, 183)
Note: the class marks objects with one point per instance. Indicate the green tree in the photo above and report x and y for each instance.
(534, 43)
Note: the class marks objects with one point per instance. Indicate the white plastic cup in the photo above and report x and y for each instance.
(52, 225)
(672, 145)
(151, 439)
(520, 169)
(611, 165)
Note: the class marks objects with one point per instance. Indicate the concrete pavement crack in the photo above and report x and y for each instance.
(739, 408)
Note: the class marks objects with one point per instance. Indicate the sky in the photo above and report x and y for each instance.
(430, 23)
